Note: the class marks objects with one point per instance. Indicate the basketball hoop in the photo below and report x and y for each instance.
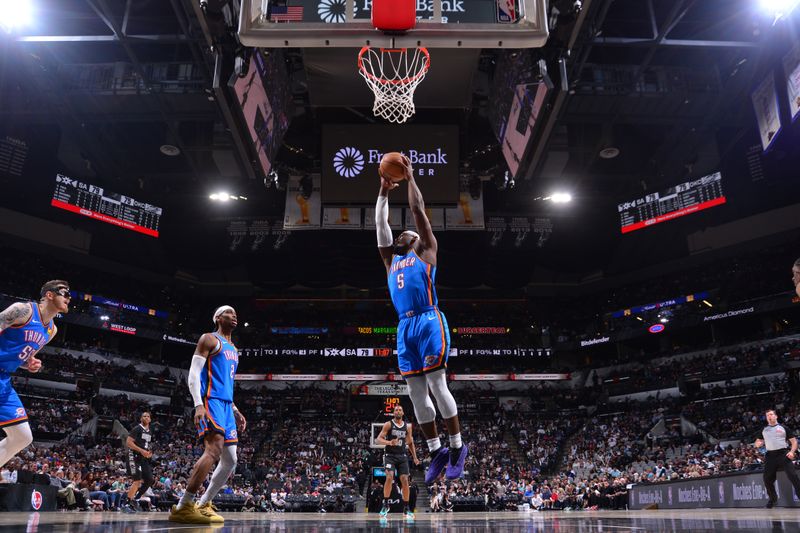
(393, 76)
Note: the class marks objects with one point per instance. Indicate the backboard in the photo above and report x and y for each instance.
(346, 23)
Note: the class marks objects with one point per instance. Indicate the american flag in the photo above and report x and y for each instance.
(286, 13)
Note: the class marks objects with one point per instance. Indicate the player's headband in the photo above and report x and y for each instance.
(412, 233)
(219, 311)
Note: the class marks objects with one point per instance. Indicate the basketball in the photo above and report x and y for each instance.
(393, 167)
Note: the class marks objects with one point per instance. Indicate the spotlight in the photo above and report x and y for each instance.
(664, 320)
(105, 317)
(779, 8)
(247, 324)
(223, 196)
(15, 14)
(560, 198)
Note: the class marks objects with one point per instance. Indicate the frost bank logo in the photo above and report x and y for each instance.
(348, 162)
(332, 11)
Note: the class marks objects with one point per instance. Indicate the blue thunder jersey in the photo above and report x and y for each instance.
(411, 285)
(216, 380)
(19, 343)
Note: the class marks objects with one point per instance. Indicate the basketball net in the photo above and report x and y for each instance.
(393, 76)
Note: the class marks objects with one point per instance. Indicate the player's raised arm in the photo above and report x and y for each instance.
(417, 205)
(382, 227)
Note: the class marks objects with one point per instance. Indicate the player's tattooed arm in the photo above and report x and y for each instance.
(15, 315)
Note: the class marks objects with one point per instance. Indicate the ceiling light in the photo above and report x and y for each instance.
(609, 153)
(167, 149)
(709, 304)
(104, 317)
(15, 14)
(561, 197)
(779, 8)
(223, 196)
(664, 320)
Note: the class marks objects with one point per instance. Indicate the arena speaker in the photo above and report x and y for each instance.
(690, 385)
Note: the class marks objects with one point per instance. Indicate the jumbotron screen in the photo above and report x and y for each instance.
(112, 208)
(675, 202)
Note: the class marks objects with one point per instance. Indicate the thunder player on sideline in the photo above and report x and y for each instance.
(25, 328)
(395, 458)
(423, 337)
(216, 418)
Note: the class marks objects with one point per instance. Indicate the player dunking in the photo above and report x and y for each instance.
(25, 328)
(395, 458)
(216, 417)
(423, 337)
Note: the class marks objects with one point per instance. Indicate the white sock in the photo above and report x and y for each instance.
(455, 440)
(434, 444)
(186, 499)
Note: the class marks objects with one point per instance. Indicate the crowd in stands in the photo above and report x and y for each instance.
(561, 449)
(306, 443)
(718, 365)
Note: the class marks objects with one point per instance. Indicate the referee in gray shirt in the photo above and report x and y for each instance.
(778, 439)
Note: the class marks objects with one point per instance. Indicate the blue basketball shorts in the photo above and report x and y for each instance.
(11, 410)
(219, 419)
(423, 343)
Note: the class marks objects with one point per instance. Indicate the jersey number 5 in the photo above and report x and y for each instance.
(400, 281)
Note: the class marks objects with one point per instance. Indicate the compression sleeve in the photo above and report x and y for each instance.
(198, 362)
(382, 222)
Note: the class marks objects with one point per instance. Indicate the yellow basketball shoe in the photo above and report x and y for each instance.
(208, 509)
(188, 514)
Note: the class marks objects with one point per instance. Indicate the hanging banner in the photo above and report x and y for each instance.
(395, 218)
(435, 215)
(467, 216)
(390, 389)
(765, 104)
(341, 218)
(358, 377)
(303, 207)
(791, 67)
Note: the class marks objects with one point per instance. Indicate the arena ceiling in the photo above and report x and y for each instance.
(666, 82)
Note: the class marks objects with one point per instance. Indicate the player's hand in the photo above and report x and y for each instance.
(759, 443)
(34, 364)
(240, 420)
(409, 169)
(199, 414)
(147, 454)
(417, 462)
(790, 455)
(387, 185)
